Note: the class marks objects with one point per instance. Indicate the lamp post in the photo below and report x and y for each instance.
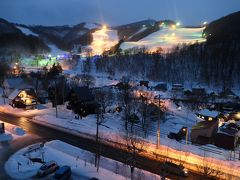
(186, 130)
(158, 124)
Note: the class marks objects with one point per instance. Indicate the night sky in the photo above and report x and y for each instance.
(114, 12)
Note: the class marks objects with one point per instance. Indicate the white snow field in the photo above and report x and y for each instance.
(80, 161)
(55, 51)
(12, 132)
(167, 38)
(27, 31)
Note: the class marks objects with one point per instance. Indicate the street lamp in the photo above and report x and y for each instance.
(186, 131)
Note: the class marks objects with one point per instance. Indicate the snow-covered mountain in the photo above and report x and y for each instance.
(150, 34)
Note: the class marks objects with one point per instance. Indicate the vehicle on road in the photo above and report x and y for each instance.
(63, 173)
(172, 168)
(47, 168)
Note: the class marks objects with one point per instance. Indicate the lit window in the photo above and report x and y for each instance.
(210, 119)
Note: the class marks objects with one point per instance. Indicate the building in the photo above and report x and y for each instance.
(198, 91)
(177, 87)
(82, 101)
(144, 83)
(23, 98)
(161, 87)
(208, 115)
(227, 93)
(11, 84)
(203, 132)
(227, 136)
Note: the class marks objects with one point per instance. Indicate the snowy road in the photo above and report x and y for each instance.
(84, 143)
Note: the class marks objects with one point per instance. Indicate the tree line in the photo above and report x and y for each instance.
(215, 64)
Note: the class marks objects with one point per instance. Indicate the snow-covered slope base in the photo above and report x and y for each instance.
(167, 38)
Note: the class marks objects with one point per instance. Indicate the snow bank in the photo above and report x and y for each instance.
(18, 131)
(81, 162)
(5, 137)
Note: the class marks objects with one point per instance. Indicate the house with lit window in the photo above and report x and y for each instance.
(177, 87)
(207, 115)
(204, 131)
(23, 98)
(228, 136)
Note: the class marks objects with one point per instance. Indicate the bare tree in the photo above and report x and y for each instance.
(207, 169)
(86, 80)
(134, 147)
(104, 97)
(4, 70)
(126, 97)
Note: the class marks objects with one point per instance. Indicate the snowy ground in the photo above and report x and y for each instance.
(113, 129)
(167, 38)
(12, 132)
(81, 162)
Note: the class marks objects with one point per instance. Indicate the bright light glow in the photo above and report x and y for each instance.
(162, 24)
(173, 26)
(166, 39)
(103, 40)
(49, 55)
(178, 24)
(238, 115)
(205, 23)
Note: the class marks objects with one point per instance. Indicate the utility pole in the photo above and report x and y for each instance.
(158, 124)
(56, 98)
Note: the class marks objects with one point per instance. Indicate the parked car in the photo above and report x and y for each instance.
(172, 168)
(47, 168)
(63, 173)
(180, 135)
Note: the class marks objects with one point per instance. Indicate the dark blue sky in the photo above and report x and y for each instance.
(114, 12)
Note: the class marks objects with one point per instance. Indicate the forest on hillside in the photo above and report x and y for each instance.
(215, 64)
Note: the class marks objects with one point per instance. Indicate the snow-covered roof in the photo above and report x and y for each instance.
(14, 94)
(13, 82)
(230, 129)
(177, 128)
(206, 112)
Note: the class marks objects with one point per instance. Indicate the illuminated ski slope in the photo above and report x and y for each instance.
(167, 38)
(103, 40)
